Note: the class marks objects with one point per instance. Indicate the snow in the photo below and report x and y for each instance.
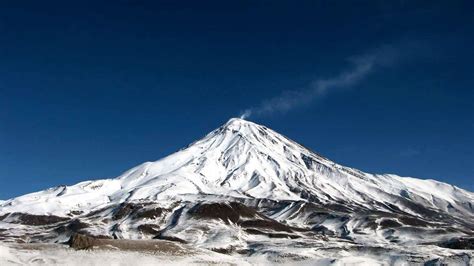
(53, 254)
(245, 162)
(58, 255)
(240, 158)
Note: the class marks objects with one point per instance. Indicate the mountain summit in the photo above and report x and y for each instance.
(241, 180)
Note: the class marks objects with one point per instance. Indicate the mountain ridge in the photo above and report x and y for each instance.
(240, 181)
(238, 143)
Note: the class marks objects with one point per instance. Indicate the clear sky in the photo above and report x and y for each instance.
(91, 88)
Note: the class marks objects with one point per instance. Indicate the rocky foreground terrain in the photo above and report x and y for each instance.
(242, 194)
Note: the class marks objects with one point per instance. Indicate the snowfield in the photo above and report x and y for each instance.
(54, 254)
(245, 193)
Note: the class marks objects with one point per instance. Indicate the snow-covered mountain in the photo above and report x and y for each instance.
(241, 184)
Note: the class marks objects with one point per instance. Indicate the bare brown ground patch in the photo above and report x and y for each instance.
(79, 242)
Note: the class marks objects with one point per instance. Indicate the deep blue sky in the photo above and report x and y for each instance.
(88, 90)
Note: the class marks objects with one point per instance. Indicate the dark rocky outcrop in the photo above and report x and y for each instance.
(127, 208)
(75, 226)
(4, 216)
(36, 220)
(458, 243)
(266, 224)
(98, 211)
(124, 209)
(151, 229)
(226, 212)
(80, 241)
(77, 212)
(321, 229)
(170, 238)
(388, 223)
(234, 211)
(152, 213)
(270, 234)
(228, 250)
(412, 221)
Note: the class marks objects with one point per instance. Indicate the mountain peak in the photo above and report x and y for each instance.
(238, 124)
(236, 120)
(244, 183)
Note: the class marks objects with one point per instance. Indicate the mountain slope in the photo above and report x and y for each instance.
(240, 181)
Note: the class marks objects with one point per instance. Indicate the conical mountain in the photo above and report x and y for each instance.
(240, 180)
(247, 160)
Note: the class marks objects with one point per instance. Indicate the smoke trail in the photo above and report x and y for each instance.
(362, 66)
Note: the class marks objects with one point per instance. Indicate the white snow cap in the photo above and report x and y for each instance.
(246, 160)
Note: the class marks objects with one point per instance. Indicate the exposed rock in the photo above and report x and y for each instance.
(461, 259)
(79, 241)
(98, 211)
(226, 212)
(127, 208)
(459, 243)
(151, 229)
(30, 219)
(387, 223)
(170, 238)
(149, 213)
(77, 212)
(74, 226)
(266, 224)
(412, 221)
(228, 250)
(4, 216)
(123, 210)
(271, 234)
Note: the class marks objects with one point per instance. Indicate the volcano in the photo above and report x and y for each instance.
(246, 190)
